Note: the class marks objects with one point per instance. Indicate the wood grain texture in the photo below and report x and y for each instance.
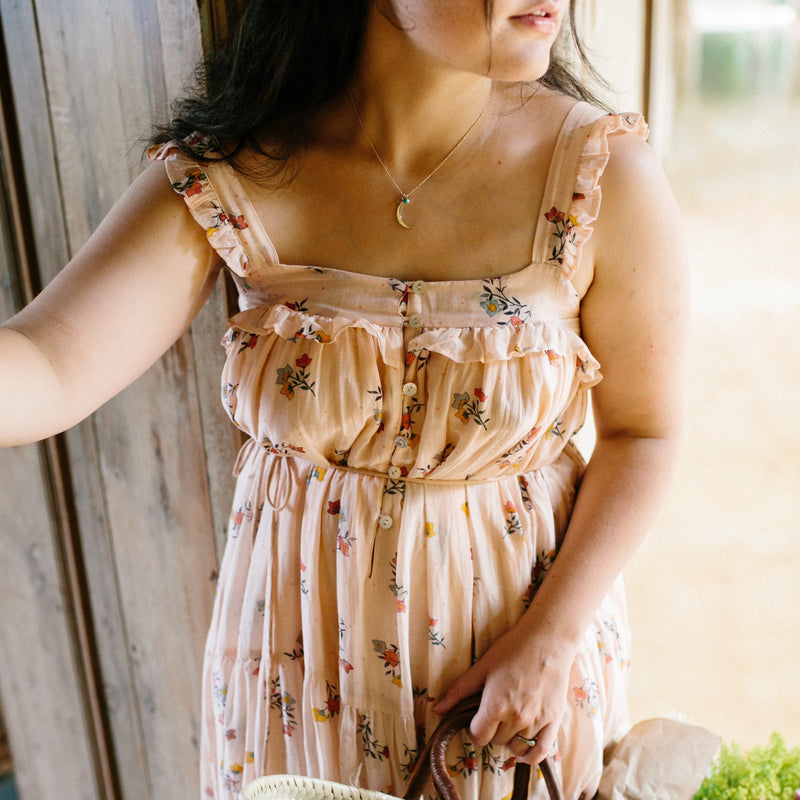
(149, 505)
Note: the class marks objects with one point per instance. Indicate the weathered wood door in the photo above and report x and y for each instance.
(109, 534)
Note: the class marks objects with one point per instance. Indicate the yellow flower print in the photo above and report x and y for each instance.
(429, 529)
(465, 508)
(249, 757)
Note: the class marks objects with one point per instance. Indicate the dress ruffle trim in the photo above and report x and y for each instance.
(189, 178)
(587, 194)
(460, 345)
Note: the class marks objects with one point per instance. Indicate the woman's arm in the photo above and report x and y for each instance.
(634, 319)
(124, 299)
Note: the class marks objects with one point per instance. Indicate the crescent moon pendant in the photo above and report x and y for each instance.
(402, 203)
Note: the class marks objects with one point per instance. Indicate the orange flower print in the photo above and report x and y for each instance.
(468, 408)
(192, 183)
(555, 216)
(292, 379)
(434, 634)
(513, 521)
(391, 659)
(331, 707)
(345, 665)
(563, 233)
(586, 697)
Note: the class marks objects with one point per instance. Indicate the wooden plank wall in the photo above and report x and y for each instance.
(109, 537)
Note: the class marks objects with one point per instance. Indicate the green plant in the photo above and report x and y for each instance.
(763, 773)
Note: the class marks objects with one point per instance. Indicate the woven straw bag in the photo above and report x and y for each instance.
(431, 762)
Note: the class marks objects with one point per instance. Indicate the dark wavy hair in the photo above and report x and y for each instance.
(287, 57)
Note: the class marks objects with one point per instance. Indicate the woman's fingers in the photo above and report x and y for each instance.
(471, 682)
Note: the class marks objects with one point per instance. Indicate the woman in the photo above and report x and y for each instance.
(429, 286)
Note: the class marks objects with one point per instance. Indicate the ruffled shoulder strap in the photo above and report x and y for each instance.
(572, 195)
(215, 199)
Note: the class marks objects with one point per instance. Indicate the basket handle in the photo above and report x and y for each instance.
(432, 760)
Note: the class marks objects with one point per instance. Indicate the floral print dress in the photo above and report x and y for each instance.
(408, 477)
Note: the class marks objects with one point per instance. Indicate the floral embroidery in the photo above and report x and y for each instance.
(586, 697)
(232, 776)
(400, 592)
(556, 429)
(402, 287)
(238, 516)
(192, 183)
(290, 379)
(495, 763)
(435, 635)
(201, 144)
(311, 332)
(342, 457)
(296, 653)
(524, 490)
(229, 400)
(438, 459)
(513, 522)
(377, 411)
(468, 408)
(344, 539)
(303, 581)
(494, 301)
(297, 305)
(280, 448)
(466, 763)
(331, 707)
(219, 692)
(315, 473)
(543, 562)
(344, 664)
(249, 341)
(411, 756)
(284, 704)
(422, 357)
(396, 487)
(371, 746)
(564, 232)
(407, 421)
(391, 660)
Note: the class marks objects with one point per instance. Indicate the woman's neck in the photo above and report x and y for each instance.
(413, 107)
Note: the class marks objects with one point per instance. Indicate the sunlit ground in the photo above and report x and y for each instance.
(715, 591)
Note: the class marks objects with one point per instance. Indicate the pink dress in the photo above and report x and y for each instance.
(407, 481)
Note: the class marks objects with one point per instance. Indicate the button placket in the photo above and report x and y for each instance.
(411, 308)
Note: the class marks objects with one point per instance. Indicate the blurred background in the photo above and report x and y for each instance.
(715, 591)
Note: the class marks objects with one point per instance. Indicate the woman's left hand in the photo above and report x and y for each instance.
(524, 679)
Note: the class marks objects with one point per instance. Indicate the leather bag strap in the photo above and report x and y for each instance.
(432, 760)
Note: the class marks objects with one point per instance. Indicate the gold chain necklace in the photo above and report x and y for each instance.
(405, 197)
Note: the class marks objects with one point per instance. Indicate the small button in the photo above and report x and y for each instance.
(400, 441)
(419, 287)
(394, 473)
(385, 521)
(415, 321)
(409, 389)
